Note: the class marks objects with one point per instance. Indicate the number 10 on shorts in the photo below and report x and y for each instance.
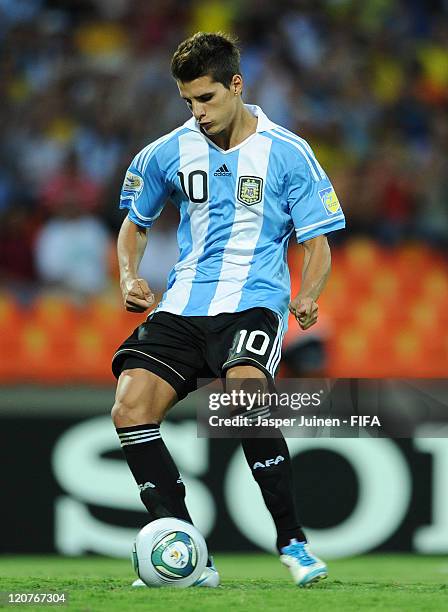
(251, 340)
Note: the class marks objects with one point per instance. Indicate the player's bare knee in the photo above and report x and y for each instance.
(246, 378)
(125, 413)
(130, 405)
(244, 371)
(140, 398)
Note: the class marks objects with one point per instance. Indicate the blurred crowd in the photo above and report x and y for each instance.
(85, 84)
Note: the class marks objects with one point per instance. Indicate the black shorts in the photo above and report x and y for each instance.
(182, 349)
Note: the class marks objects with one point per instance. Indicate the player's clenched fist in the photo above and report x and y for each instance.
(137, 295)
(305, 311)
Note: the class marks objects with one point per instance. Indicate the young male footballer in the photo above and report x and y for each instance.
(243, 185)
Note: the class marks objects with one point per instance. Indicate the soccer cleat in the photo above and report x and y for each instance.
(303, 565)
(208, 578)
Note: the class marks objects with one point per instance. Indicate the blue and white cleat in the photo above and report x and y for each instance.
(303, 565)
(209, 578)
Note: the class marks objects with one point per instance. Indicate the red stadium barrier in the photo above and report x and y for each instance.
(384, 314)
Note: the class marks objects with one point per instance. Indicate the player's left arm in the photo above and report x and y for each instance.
(315, 273)
(315, 211)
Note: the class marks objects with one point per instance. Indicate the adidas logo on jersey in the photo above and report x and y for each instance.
(223, 171)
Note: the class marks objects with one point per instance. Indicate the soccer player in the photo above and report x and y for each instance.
(243, 185)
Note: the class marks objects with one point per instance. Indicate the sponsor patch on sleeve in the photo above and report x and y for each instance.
(329, 200)
(133, 183)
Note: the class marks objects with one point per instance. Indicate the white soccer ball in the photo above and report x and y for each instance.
(169, 552)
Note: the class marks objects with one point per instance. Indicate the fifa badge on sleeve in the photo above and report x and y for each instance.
(329, 200)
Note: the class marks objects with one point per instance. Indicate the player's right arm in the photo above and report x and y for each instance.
(132, 241)
(143, 194)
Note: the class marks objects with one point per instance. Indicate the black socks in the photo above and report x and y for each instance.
(270, 463)
(161, 488)
(163, 492)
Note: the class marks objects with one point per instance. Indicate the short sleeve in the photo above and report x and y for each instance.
(144, 194)
(313, 203)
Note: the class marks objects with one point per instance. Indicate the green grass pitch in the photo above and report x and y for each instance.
(252, 582)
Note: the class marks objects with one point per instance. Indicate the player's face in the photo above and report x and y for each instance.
(213, 105)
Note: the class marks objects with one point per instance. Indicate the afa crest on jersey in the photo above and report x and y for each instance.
(329, 200)
(250, 190)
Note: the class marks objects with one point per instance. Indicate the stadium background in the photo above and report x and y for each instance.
(86, 84)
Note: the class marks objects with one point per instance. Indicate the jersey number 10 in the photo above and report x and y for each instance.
(197, 191)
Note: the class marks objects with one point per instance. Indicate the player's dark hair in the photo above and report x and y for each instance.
(214, 54)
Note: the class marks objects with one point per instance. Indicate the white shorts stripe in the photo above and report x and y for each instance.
(276, 348)
(127, 350)
(277, 358)
(274, 345)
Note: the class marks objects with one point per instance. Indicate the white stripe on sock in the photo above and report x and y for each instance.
(140, 441)
(137, 433)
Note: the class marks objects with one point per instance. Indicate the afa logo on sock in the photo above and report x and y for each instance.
(268, 462)
(147, 485)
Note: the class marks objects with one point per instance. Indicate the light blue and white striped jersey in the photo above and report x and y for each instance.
(238, 209)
